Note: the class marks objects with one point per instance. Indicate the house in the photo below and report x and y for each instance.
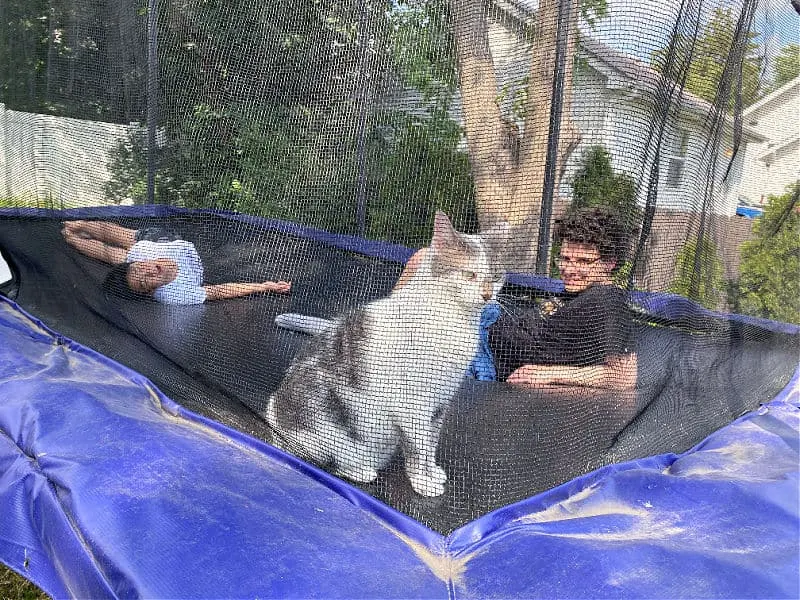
(617, 102)
(773, 163)
(620, 102)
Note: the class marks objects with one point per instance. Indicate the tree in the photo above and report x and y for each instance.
(596, 184)
(73, 59)
(699, 273)
(508, 165)
(787, 65)
(768, 284)
(704, 60)
(263, 108)
(290, 129)
(417, 164)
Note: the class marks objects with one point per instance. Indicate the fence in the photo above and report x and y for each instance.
(55, 160)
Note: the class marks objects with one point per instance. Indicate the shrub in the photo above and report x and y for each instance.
(769, 284)
(699, 276)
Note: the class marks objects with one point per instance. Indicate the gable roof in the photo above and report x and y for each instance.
(773, 96)
(640, 74)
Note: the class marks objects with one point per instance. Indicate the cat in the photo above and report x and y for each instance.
(384, 374)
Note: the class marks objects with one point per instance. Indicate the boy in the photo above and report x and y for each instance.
(164, 267)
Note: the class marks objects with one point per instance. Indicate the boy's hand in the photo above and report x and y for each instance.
(74, 229)
(278, 287)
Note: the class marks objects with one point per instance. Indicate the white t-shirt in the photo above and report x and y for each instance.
(187, 287)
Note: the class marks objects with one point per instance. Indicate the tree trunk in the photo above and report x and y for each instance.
(506, 188)
(492, 166)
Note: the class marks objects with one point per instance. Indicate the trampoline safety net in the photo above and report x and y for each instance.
(452, 253)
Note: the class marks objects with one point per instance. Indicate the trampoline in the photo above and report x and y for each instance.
(118, 467)
(314, 142)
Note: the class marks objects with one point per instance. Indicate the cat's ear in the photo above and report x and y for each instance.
(444, 235)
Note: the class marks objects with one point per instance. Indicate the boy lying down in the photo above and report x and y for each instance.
(156, 263)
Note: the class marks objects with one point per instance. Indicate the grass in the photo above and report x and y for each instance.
(16, 587)
(30, 201)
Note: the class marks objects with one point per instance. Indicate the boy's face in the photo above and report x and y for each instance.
(146, 276)
(580, 266)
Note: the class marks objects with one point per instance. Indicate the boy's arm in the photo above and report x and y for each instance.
(103, 231)
(411, 267)
(618, 372)
(223, 291)
(97, 250)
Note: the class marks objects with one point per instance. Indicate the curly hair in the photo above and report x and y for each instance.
(598, 227)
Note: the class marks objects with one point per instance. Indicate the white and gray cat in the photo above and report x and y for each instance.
(385, 373)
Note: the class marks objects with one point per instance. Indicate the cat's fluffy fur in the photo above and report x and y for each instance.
(385, 373)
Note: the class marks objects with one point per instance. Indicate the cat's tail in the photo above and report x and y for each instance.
(303, 323)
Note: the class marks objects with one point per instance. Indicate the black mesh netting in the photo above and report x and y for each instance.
(636, 164)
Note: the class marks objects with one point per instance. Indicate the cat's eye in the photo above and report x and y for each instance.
(469, 275)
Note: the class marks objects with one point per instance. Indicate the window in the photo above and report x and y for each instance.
(677, 159)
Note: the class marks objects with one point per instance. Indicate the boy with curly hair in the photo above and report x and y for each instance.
(585, 335)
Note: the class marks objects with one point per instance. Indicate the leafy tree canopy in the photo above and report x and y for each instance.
(787, 65)
(769, 285)
(707, 57)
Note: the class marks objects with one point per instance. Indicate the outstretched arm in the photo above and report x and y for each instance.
(411, 267)
(618, 372)
(102, 231)
(96, 249)
(222, 291)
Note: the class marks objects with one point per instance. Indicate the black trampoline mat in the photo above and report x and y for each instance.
(500, 444)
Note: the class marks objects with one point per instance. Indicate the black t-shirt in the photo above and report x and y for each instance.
(578, 329)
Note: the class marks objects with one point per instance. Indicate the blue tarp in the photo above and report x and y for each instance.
(110, 489)
(751, 212)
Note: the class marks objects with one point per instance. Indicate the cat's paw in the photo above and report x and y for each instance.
(426, 485)
(358, 474)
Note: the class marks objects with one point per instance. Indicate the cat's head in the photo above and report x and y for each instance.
(468, 268)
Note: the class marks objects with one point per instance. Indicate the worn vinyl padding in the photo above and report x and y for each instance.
(108, 489)
(500, 445)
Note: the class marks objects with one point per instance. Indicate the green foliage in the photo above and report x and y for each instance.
(31, 201)
(699, 277)
(787, 65)
(709, 53)
(419, 168)
(422, 48)
(314, 145)
(769, 282)
(56, 57)
(593, 11)
(596, 184)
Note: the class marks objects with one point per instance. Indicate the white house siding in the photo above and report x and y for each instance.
(621, 122)
(57, 160)
(775, 163)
